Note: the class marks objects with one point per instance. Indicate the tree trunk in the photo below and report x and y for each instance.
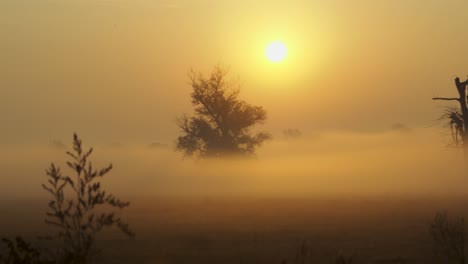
(461, 88)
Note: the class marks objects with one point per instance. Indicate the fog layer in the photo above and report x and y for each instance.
(393, 162)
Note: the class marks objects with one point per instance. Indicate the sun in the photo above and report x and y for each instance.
(276, 51)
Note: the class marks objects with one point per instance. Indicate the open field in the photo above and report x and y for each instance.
(262, 230)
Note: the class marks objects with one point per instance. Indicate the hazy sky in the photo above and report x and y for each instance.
(116, 70)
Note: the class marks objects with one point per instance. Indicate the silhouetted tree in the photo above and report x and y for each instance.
(458, 116)
(79, 208)
(222, 122)
(449, 237)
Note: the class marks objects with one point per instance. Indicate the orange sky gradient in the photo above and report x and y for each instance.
(121, 66)
(115, 71)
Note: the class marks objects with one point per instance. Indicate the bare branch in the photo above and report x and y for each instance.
(446, 99)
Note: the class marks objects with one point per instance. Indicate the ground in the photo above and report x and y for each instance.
(261, 230)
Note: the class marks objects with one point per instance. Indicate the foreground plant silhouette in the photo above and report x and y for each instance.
(222, 122)
(22, 252)
(75, 203)
(449, 237)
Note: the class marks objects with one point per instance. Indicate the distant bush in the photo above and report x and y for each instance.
(291, 133)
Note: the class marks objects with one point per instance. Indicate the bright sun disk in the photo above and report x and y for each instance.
(276, 51)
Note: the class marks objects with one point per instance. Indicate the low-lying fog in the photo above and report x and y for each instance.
(395, 162)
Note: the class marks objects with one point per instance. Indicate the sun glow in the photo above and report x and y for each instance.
(276, 51)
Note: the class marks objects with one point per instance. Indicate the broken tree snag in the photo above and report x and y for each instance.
(458, 118)
(461, 87)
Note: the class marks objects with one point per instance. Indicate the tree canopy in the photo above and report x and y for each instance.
(221, 124)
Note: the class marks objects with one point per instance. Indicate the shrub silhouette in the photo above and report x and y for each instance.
(221, 124)
(449, 237)
(73, 208)
(21, 252)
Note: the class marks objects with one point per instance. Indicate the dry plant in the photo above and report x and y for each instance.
(22, 252)
(449, 236)
(79, 207)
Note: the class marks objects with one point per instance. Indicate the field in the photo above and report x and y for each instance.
(262, 230)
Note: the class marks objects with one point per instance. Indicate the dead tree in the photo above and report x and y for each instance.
(458, 117)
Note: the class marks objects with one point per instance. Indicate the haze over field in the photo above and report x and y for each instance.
(415, 162)
(293, 132)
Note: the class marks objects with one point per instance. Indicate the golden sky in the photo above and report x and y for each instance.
(116, 70)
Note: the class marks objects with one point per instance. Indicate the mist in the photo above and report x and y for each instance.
(360, 159)
(393, 162)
